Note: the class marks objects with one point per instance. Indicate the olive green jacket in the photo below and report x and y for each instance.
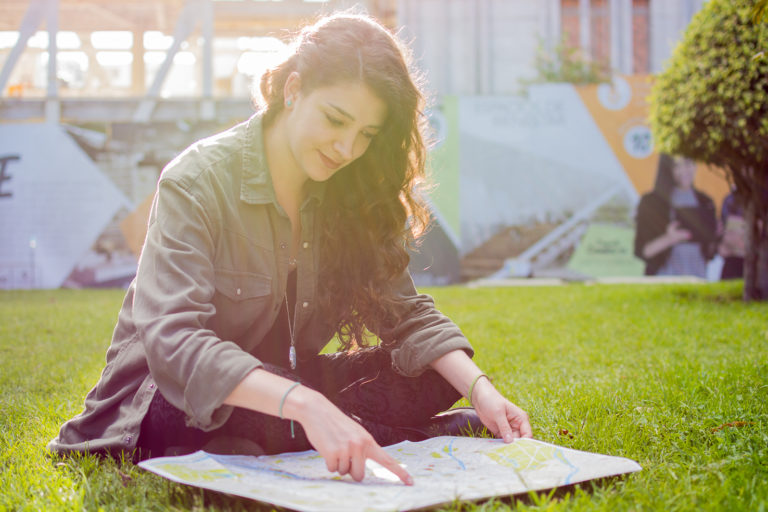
(210, 283)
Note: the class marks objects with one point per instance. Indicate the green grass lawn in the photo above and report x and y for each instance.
(674, 377)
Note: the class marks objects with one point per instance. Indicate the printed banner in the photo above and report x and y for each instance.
(54, 202)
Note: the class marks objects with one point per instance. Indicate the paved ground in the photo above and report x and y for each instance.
(561, 276)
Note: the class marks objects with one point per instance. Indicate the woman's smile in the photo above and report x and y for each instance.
(329, 162)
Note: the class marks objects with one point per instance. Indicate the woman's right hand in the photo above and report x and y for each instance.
(675, 234)
(671, 237)
(342, 442)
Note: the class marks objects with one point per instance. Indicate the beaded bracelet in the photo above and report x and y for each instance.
(282, 403)
(472, 386)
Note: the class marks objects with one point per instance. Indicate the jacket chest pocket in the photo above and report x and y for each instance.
(242, 299)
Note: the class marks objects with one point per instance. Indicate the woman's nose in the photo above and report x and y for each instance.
(344, 145)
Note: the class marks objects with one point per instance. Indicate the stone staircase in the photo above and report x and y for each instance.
(508, 243)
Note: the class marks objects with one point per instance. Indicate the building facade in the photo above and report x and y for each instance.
(487, 47)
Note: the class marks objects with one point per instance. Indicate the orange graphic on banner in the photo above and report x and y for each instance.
(134, 226)
(620, 111)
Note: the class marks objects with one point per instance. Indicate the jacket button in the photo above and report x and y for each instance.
(283, 245)
(305, 305)
(151, 386)
(238, 291)
(305, 245)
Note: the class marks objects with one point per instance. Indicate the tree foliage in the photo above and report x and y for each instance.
(711, 104)
(760, 10)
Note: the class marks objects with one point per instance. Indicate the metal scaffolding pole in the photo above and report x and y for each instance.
(207, 106)
(52, 105)
(184, 26)
(29, 24)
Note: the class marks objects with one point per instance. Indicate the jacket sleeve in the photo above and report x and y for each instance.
(651, 222)
(423, 333)
(194, 369)
(708, 215)
(642, 226)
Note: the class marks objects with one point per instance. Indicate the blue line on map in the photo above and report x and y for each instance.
(511, 461)
(559, 454)
(264, 468)
(450, 454)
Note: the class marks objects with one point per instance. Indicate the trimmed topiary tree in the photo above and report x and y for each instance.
(711, 104)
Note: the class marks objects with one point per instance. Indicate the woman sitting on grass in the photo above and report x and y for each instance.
(266, 240)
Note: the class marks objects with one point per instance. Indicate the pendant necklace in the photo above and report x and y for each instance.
(292, 350)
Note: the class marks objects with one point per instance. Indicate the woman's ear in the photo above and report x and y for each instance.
(292, 88)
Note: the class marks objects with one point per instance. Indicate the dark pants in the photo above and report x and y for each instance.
(361, 383)
(733, 268)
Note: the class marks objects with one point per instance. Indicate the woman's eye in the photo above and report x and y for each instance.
(368, 135)
(334, 121)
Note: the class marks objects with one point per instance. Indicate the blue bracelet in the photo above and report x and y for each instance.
(282, 403)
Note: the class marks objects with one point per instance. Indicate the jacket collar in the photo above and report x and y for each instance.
(256, 187)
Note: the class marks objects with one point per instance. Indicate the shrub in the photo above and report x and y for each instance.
(711, 104)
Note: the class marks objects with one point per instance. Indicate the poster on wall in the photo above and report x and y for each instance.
(533, 158)
(564, 160)
(54, 203)
(620, 111)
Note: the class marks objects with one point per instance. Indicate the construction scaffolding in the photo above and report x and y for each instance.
(111, 61)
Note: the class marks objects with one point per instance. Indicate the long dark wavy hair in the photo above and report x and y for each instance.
(372, 210)
(665, 179)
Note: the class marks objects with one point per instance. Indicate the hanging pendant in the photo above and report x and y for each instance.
(292, 357)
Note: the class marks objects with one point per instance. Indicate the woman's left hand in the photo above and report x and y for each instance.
(499, 415)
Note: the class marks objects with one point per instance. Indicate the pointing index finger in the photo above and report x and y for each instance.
(379, 455)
